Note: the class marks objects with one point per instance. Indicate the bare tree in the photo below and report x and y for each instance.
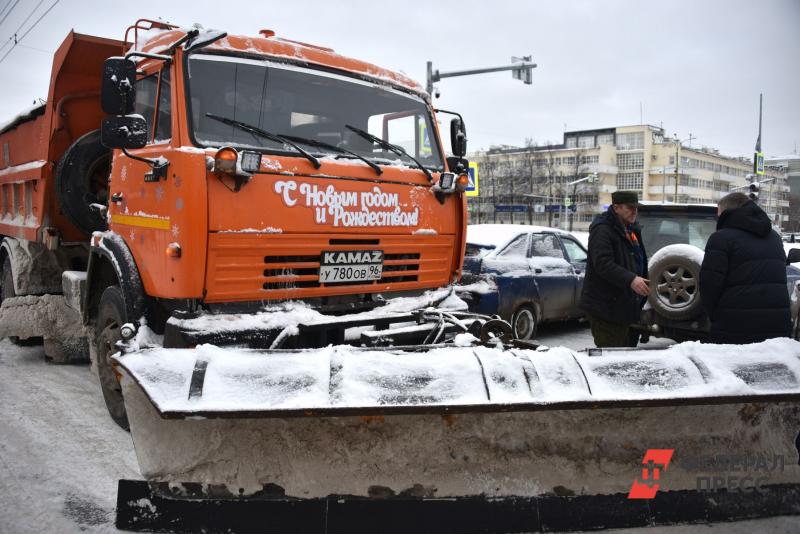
(489, 171)
(793, 224)
(530, 169)
(552, 179)
(576, 166)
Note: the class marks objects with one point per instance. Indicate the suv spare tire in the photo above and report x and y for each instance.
(675, 282)
(82, 180)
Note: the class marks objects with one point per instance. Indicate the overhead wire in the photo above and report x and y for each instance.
(14, 35)
(3, 9)
(29, 30)
(9, 12)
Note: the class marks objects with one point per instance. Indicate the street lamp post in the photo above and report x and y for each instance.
(678, 160)
(588, 178)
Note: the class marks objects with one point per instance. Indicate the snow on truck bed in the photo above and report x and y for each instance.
(345, 379)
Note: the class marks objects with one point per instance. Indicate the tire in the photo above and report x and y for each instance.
(110, 317)
(7, 291)
(524, 323)
(674, 287)
(82, 179)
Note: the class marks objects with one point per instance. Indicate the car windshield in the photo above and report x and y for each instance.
(662, 229)
(306, 104)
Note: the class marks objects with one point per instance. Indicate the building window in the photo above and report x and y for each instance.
(630, 141)
(629, 161)
(629, 181)
(605, 139)
(572, 142)
(589, 160)
(586, 141)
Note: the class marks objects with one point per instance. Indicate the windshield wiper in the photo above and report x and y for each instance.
(323, 144)
(400, 151)
(266, 135)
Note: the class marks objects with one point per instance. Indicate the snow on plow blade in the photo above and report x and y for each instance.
(489, 427)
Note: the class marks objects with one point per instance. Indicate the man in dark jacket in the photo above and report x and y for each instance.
(743, 276)
(616, 273)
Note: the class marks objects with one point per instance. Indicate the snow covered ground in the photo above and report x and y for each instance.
(61, 456)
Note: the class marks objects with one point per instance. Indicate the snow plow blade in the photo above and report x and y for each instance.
(530, 439)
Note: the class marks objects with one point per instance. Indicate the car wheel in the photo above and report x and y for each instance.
(524, 323)
(110, 318)
(674, 287)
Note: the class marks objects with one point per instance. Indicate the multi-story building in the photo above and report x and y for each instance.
(566, 185)
(791, 166)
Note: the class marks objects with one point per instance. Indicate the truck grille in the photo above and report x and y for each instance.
(285, 272)
(287, 267)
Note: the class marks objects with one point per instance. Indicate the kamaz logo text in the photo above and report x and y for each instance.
(353, 257)
(655, 461)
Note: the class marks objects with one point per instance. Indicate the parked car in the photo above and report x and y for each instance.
(534, 274)
(675, 238)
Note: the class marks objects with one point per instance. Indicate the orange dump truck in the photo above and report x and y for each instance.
(184, 189)
(229, 172)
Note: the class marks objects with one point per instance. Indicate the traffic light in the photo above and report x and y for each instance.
(754, 188)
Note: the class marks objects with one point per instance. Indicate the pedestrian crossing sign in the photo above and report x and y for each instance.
(472, 186)
(424, 140)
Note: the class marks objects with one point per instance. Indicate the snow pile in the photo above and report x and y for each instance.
(287, 316)
(350, 377)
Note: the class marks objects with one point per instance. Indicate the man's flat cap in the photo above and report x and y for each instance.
(625, 197)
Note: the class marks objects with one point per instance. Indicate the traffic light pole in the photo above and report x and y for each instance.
(435, 75)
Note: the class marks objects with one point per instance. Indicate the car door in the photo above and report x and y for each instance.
(553, 275)
(576, 256)
(512, 275)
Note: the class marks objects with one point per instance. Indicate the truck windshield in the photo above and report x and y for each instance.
(305, 104)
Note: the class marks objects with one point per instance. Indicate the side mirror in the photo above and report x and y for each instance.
(124, 132)
(793, 256)
(118, 89)
(457, 165)
(458, 137)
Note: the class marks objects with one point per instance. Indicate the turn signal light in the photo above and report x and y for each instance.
(462, 182)
(225, 160)
(173, 250)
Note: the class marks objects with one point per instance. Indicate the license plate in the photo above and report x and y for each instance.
(350, 266)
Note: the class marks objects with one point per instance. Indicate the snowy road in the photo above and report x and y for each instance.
(61, 456)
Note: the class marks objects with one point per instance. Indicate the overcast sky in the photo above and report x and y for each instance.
(695, 67)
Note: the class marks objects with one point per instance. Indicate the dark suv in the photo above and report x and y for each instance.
(675, 238)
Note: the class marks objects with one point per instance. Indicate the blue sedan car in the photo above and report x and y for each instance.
(525, 274)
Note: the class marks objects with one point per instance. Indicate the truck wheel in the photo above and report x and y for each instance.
(674, 292)
(524, 323)
(6, 292)
(110, 317)
(82, 179)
